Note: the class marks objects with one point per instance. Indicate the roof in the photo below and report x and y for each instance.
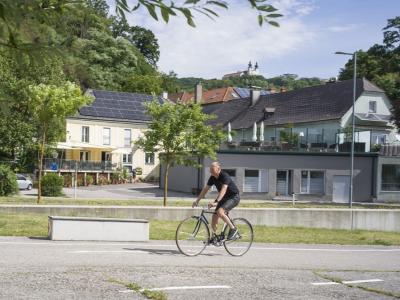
(210, 96)
(117, 106)
(310, 104)
(245, 92)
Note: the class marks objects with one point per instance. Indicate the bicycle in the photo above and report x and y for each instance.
(193, 235)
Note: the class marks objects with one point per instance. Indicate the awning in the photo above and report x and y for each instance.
(79, 145)
(122, 151)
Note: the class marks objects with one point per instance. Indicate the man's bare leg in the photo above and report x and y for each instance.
(221, 214)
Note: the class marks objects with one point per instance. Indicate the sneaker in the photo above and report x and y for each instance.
(213, 239)
(232, 233)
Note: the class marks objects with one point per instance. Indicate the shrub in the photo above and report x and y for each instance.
(67, 180)
(89, 179)
(8, 181)
(52, 185)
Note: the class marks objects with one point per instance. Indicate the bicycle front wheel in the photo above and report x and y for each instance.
(243, 240)
(192, 236)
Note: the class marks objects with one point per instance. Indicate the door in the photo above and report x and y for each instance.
(341, 189)
(282, 182)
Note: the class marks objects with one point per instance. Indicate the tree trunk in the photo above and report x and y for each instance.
(41, 167)
(166, 183)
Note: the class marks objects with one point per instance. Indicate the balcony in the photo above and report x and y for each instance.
(63, 165)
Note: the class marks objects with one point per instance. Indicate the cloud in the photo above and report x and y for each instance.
(343, 28)
(215, 48)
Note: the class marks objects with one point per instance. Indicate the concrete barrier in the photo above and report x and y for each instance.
(366, 219)
(97, 229)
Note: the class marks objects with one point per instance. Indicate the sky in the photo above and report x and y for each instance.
(304, 44)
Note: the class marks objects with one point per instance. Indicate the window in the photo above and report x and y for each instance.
(85, 134)
(127, 137)
(84, 155)
(312, 182)
(390, 178)
(127, 158)
(149, 159)
(372, 107)
(106, 136)
(255, 181)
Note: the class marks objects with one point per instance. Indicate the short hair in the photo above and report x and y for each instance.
(215, 163)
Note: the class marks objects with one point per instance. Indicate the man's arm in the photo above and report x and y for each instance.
(222, 192)
(201, 195)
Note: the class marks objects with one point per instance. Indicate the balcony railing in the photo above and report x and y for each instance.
(299, 147)
(72, 165)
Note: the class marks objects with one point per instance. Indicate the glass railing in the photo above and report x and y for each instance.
(72, 165)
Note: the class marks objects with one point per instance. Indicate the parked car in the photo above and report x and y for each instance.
(24, 183)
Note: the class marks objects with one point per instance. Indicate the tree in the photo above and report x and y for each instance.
(381, 64)
(16, 116)
(51, 104)
(146, 84)
(142, 38)
(179, 133)
(103, 62)
(26, 25)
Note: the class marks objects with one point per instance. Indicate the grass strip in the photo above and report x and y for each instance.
(36, 225)
(184, 203)
(154, 295)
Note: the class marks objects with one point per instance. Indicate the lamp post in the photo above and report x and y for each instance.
(354, 55)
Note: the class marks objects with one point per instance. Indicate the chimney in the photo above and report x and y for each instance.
(254, 96)
(165, 95)
(198, 93)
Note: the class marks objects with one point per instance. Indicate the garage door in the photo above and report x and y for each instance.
(341, 189)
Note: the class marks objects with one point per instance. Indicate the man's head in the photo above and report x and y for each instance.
(215, 169)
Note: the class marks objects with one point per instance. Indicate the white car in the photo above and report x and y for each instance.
(24, 183)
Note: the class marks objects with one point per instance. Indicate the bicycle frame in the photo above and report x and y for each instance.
(203, 218)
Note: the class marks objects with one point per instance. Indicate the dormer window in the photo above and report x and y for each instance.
(372, 107)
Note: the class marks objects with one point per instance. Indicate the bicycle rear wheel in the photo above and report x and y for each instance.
(243, 240)
(192, 236)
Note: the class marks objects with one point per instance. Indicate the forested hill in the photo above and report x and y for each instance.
(286, 81)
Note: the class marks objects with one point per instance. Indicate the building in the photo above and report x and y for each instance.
(299, 142)
(100, 138)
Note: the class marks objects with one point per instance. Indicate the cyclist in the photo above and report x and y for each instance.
(228, 198)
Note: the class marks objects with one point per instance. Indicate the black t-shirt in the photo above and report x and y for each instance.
(224, 178)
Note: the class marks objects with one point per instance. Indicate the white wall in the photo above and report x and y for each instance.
(74, 126)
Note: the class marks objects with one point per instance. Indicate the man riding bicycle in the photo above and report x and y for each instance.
(228, 198)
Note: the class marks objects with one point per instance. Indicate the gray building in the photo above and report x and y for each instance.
(298, 142)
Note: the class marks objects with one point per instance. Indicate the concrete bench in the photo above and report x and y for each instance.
(97, 229)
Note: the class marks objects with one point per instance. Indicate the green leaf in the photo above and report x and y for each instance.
(266, 8)
(210, 11)
(218, 3)
(164, 13)
(273, 23)
(274, 15)
(152, 11)
(260, 20)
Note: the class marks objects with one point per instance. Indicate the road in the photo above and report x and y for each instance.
(42, 269)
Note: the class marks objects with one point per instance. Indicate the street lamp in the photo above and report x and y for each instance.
(354, 55)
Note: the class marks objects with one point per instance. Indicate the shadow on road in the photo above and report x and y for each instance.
(166, 252)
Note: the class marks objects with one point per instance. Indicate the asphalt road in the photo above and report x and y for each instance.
(42, 269)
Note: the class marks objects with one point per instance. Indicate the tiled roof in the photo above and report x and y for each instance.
(117, 105)
(317, 103)
(210, 96)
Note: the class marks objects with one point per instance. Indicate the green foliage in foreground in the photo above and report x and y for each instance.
(36, 225)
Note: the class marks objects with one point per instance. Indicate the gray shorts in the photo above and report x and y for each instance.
(228, 203)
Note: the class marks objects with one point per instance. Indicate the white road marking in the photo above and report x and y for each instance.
(362, 281)
(108, 251)
(347, 282)
(58, 243)
(171, 288)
